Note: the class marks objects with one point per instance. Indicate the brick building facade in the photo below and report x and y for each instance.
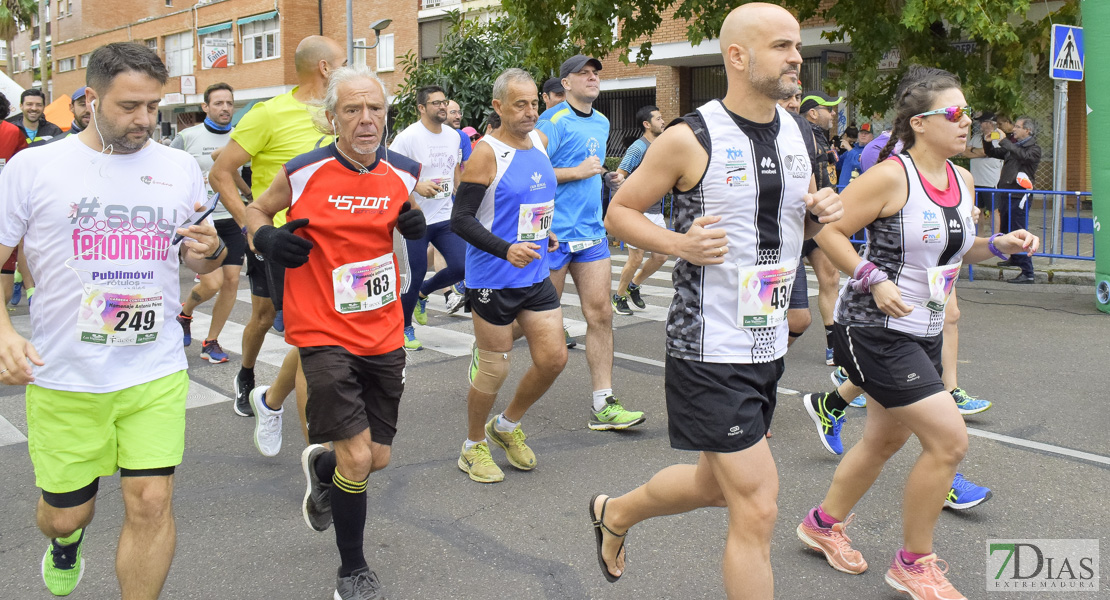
(263, 34)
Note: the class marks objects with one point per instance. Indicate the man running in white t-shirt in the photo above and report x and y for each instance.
(104, 369)
(436, 147)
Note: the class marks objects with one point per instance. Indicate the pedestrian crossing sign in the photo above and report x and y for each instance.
(1067, 53)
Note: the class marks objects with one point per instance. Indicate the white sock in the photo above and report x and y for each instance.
(599, 398)
(470, 444)
(504, 425)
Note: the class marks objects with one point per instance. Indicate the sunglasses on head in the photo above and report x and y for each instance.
(952, 113)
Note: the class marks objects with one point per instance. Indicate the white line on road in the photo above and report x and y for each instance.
(1039, 446)
(9, 434)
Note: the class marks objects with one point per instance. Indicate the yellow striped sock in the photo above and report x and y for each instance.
(346, 485)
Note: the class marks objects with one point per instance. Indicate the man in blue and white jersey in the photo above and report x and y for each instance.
(576, 136)
(504, 210)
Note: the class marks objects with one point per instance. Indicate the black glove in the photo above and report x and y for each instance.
(410, 223)
(281, 245)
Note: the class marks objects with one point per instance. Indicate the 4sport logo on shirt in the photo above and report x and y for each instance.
(356, 204)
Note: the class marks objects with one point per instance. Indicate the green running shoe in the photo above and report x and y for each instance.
(479, 465)
(420, 313)
(518, 453)
(411, 343)
(614, 416)
(62, 566)
(634, 296)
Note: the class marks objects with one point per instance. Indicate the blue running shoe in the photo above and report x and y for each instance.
(968, 404)
(839, 376)
(279, 321)
(829, 357)
(965, 494)
(17, 293)
(828, 422)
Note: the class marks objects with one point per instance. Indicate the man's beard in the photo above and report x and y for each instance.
(118, 139)
(772, 87)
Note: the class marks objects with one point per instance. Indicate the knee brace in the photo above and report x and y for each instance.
(490, 371)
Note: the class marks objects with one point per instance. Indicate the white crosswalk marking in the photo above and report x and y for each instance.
(9, 434)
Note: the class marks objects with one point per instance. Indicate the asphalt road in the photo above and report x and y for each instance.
(1039, 352)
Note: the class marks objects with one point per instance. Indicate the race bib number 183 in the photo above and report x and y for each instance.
(366, 285)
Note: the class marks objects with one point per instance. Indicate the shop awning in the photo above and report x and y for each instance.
(214, 28)
(253, 18)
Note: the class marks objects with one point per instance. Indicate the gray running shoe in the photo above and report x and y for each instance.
(317, 501)
(363, 584)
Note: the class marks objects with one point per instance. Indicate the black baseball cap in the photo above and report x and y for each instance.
(553, 85)
(987, 116)
(815, 99)
(575, 63)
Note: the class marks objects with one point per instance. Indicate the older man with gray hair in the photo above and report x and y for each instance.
(504, 210)
(344, 201)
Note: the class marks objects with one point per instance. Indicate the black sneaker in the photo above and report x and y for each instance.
(244, 383)
(1021, 279)
(316, 507)
(620, 305)
(634, 296)
(363, 584)
(186, 327)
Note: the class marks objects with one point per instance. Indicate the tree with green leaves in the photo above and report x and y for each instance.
(12, 14)
(473, 53)
(993, 67)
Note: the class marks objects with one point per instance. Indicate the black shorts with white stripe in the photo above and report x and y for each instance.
(894, 368)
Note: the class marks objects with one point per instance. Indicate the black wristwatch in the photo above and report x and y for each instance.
(219, 249)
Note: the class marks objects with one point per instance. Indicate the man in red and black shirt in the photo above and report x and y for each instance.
(342, 304)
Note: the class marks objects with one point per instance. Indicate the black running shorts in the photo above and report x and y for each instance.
(501, 307)
(719, 407)
(348, 393)
(894, 368)
(236, 242)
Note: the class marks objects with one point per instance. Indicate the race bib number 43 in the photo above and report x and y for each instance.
(120, 317)
(764, 294)
(366, 285)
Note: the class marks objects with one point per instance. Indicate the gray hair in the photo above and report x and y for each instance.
(331, 96)
(1028, 123)
(507, 78)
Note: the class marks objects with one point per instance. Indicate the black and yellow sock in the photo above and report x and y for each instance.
(834, 401)
(348, 512)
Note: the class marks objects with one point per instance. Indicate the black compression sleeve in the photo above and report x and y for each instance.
(464, 221)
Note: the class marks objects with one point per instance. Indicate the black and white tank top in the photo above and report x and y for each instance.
(756, 180)
(920, 249)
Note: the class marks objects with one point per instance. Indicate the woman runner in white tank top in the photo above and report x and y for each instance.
(888, 322)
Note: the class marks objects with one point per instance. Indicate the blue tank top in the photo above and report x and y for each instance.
(519, 206)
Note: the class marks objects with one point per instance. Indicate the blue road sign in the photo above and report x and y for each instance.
(1067, 53)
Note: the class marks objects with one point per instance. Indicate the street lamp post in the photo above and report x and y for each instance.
(377, 26)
